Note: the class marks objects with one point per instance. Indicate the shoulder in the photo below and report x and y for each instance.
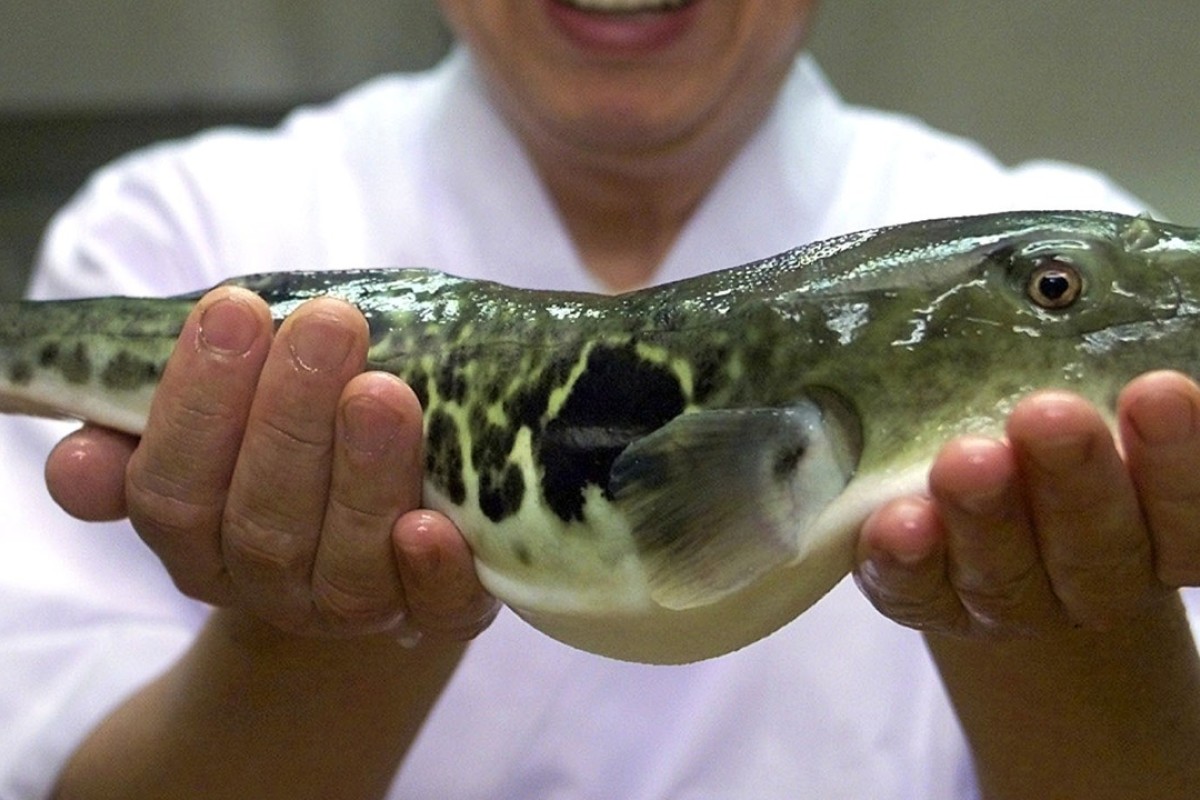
(384, 115)
(180, 215)
(879, 166)
(912, 170)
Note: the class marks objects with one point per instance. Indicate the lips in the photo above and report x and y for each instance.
(622, 27)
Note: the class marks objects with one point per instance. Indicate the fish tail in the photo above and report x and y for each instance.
(97, 360)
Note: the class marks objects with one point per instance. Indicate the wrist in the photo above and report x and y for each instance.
(1083, 713)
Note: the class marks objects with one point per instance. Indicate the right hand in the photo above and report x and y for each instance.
(276, 477)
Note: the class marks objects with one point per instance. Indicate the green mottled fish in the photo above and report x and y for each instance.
(671, 474)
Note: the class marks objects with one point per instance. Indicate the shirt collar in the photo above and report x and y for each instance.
(495, 215)
(777, 193)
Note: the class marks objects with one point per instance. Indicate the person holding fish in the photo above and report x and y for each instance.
(1043, 646)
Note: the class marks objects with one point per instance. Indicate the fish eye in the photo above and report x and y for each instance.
(1054, 283)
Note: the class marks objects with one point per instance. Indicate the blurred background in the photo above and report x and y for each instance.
(1108, 83)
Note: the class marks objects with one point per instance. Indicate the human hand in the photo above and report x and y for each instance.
(276, 477)
(1053, 528)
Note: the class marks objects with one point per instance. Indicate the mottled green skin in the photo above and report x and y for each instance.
(914, 333)
(924, 329)
(112, 342)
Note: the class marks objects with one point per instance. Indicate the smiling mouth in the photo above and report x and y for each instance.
(625, 6)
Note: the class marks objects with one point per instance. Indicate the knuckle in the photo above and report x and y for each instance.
(160, 509)
(1098, 598)
(357, 606)
(360, 513)
(164, 493)
(997, 592)
(201, 414)
(294, 438)
(1096, 574)
(264, 548)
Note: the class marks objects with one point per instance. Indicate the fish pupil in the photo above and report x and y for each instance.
(1054, 286)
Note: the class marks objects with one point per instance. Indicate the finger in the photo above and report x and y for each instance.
(442, 591)
(377, 470)
(177, 479)
(994, 563)
(1090, 532)
(85, 473)
(902, 567)
(1160, 429)
(280, 486)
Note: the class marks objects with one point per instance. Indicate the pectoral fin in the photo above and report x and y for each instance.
(719, 498)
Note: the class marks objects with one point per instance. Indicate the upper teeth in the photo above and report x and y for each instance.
(626, 5)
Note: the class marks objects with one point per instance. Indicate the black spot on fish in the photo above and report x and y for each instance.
(527, 406)
(378, 326)
(499, 500)
(708, 370)
(75, 364)
(523, 553)
(49, 354)
(125, 371)
(490, 392)
(443, 456)
(491, 445)
(418, 381)
(20, 372)
(619, 397)
(451, 382)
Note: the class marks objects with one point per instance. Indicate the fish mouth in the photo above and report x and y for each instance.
(1186, 303)
(625, 6)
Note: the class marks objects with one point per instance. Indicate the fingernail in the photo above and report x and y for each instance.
(426, 561)
(366, 427)
(1163, 418)
(988, 492)
(881, 568)
(913, 546)
(910, 552)
(228, 327)
(1061, 455)
(319, 343)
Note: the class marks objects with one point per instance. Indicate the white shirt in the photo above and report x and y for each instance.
(419, 170)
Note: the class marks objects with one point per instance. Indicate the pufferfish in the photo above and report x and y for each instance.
(670, 474)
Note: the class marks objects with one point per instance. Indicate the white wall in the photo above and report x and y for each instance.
(1110, 83)
(1113, 83)
(56, 53)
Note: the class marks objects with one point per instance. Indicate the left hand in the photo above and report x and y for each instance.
(1056, 527)
(278, 480)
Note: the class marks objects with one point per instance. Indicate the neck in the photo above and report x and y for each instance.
(624, 222)
(625, 208)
